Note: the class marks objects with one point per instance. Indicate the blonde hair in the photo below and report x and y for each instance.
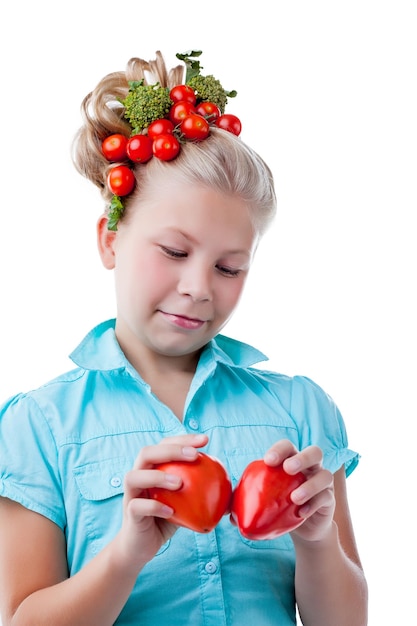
(222, 161)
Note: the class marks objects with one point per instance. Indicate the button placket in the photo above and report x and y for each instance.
(211, 580)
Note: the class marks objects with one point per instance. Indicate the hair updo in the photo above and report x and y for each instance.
(222, 161)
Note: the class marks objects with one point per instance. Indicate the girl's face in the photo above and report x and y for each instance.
(180, 263)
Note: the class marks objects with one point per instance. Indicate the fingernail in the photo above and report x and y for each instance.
(172, 479)
(298, 495)
(167, 510)
(189, 452)
(271, 457)
(293, 465)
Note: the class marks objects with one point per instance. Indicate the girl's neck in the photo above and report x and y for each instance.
(169, 377)
(170, 380)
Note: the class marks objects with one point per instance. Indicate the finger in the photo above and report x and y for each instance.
(317, 483)
(169, 450)
(141, 480)
(192, 440)
(322, 503)
(139, 508)
(308, 459)
(279, 452)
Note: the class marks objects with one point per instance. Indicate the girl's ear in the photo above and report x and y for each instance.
(105, 242)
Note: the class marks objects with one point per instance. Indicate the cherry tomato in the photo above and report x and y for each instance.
(182, 92)
(121, 180)
(166, 146)
(195, 127)
(180, 110)
(261, 505)
(209, 110)
(160, 127)
(203, 498)
(229, 122)
(139, 148)
(114, 147)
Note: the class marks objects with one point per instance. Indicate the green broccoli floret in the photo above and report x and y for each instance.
(144, 104)
(209, 88)
(206, 87)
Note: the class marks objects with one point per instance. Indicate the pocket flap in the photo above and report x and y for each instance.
(102, 479)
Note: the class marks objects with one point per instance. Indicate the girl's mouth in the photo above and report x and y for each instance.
(182, 321)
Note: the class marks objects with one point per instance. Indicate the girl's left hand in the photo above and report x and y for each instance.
(315, 497)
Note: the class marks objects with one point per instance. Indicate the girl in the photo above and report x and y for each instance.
(81, 541)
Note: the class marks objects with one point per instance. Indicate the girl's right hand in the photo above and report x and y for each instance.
(145, 527)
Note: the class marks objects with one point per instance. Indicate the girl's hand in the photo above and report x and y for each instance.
(316, 496)
(145, 529)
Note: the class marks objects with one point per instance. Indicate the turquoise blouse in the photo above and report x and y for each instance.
(66, 446)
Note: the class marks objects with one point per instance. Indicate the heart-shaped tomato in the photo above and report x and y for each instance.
(203, 498)
(261, 505)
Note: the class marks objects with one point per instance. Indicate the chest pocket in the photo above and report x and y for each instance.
(101, 487)
(101, 480)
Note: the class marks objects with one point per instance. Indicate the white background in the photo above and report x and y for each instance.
(327, 94)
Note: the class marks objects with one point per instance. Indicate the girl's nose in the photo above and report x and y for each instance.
(195, 281)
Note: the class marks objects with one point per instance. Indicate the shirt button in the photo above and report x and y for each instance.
(116, 481)
(193, 424)
(210, 567)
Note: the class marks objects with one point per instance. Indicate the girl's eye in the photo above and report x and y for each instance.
(176, 254)
(180, 254)
(228, 271)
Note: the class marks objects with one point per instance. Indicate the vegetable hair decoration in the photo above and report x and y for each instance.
(161, 120)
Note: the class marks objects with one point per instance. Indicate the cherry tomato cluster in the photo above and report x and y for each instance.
(186, 120)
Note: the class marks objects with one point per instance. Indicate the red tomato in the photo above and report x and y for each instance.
(166, 147)
(139, 148)
(182, 92)
(204, 497)
(180, 110)
(209, 110)
(261, 504)
(114, 147)
(121, 180)
(195, 127)
(229, 122)
(160, 127)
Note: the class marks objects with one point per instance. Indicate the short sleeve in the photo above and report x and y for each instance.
(320, 423)
(29, 471)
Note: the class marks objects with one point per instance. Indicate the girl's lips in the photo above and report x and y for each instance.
(183, 322)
